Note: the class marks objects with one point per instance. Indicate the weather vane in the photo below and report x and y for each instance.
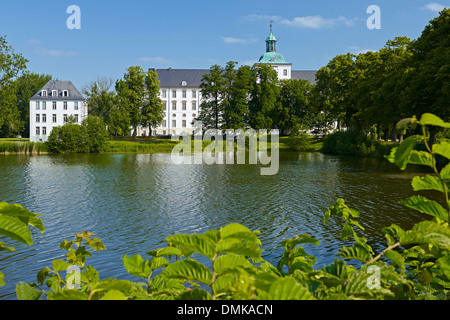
(271, 26)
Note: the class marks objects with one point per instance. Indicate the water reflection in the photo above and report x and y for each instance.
(134, 201)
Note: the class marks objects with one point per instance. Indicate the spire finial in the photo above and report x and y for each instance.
(271, 21)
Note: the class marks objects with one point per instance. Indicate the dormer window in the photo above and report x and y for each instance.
(44, 93)
(54, 93)
(65, 93)
(183, 83)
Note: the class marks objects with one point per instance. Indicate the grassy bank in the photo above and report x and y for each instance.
(22, 146)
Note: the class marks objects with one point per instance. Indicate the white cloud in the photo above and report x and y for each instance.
(317, 22)
(232, 40)
(434, 7)
(255, 17)
(53, 52)
(155, 60)
(358, 50)
(249, 62)
(42, 51)
(34, 41)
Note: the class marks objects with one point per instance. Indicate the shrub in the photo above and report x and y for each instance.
(98, 135)
(90, 136)
(69, 138)
(355, 143)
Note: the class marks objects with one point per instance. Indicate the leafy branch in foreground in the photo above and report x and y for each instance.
(227, 263)
(15, 222)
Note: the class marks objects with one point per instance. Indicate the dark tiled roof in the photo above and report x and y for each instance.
(73, 93)
(173, 78)
(304, 75)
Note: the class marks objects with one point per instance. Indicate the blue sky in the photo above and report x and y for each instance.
(197, 34)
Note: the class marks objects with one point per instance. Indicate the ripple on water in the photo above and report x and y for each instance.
(133, 202)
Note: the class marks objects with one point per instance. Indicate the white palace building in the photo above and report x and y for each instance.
(179, 90)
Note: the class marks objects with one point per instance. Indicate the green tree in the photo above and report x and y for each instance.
(25, 87)
(334, 82)
(153, 109)
(98, 135)
(212, 90)
(264, 97)
(426, 86)
(138, 95)
(294, 104)
(11, 66)
(235, 113)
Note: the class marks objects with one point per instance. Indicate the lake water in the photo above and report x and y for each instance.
(132, 202)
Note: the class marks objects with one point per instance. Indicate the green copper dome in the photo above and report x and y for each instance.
(272, 57)
(271, 37)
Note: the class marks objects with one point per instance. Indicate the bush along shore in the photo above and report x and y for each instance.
(148, 145)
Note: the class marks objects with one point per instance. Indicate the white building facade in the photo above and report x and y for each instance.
(180, 90)
(52, 106)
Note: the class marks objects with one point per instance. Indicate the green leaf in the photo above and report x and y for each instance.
(15, 229)
(442, 149)
(404, 150)
(229, 262)
(67, 294)
(26, 292)
(112, 284)
(158, 262)
(445, 172)
(27, 217)
(237, 246)
(114, 295)
(338, 268)
(427, 232)
(2, 279)
(166, 252)
(42, 275)
(288, 289)
(397, 258)
(193, 243)
(424, 205)
(421, 158)
(137, 266)
(358, 251)
(195, 294)
(444, 265)
(60, 265)
(238, 231)
(433, 120)
(303, 238)
(189, 270)
(427, 182)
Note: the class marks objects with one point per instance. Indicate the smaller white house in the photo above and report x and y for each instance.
(52, 105)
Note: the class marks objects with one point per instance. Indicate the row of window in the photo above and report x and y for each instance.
(55, 93)
(174, 123)
(44, 105)
(38, 131)
(184, 105)
(54, 118)
(184, 115)
(183, 93)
